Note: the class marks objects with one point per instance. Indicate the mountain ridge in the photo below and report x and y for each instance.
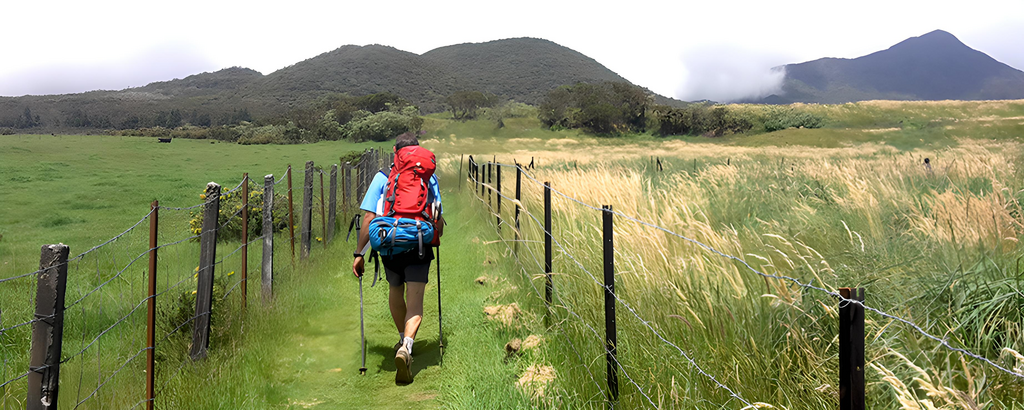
(523, 69)
(933, 66)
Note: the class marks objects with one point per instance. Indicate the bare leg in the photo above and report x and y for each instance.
(414, 308)
(396, 300)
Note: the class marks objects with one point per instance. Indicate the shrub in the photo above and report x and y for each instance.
(231, 224)
(777, 118)
(381, 126)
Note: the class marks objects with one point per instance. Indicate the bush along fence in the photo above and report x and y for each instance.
(80, 347)
(487, 182)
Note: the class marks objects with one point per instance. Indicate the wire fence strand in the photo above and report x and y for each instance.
(797, 282)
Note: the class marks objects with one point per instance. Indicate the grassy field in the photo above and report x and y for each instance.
(298, 352)
(850, 204)
(840, 206)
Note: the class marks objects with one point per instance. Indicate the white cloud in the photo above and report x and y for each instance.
(726, 73)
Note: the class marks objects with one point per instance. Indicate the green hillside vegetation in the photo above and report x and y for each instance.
(521, 69)
(846, 204)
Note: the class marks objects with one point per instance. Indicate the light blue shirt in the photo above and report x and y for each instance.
(373, 201)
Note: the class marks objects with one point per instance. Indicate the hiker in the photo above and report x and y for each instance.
(406, 270)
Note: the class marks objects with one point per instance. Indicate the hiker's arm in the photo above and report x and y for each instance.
(362, 238)
(439, 225)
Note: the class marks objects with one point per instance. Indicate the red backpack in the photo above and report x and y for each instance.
(407, 194)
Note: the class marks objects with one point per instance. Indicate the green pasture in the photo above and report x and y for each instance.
(770, 342)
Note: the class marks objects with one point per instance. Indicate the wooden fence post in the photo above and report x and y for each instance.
(851, 350)
(361, 176)
(307, 212)
(332, 207)
(245, 240)
(204, 287)
(151, 308)
(611, 339)
(291, 214)
(48, 330)
(346, 193)
(268, 238)
(323, 215)
(548, 285)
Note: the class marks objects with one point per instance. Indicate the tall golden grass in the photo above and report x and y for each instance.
(865, 215)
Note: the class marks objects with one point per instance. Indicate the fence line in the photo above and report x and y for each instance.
(809, 285)
(564, 251)
(126, 339)
(569, 309)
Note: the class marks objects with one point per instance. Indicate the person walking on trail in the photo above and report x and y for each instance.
(406, 270)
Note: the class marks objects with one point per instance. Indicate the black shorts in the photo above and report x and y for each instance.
(407, 267)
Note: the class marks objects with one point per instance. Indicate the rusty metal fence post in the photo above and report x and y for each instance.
(548, 284)
(48, 330)
(498, 194)
(151, 308)
(519, 198)
(851, 350)
(611, 338)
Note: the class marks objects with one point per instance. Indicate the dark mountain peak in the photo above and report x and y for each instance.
(522, 68)
(933, 66)
(936, 42)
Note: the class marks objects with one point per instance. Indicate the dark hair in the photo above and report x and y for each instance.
(406, 139)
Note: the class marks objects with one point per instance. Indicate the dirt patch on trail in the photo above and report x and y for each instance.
(535, 380)
(507, 315)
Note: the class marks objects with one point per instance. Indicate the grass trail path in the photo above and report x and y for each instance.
(317, 357)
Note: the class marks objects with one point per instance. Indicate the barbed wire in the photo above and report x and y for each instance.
(79, 256)
(560, 328)
(23, 375)
(2, 331)
(260, 238)
(97, 389)
(105, 331)
(809, 285)
(842, 300)
(571, 311)
(633, 311)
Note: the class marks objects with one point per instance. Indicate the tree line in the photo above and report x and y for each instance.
(606, 109)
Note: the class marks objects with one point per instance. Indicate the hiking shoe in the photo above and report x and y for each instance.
(398, 346)
(403, 361)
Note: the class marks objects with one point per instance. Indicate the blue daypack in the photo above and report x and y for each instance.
(391, 236)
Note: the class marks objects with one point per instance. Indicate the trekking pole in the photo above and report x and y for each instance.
(362, 331)
(440, 332)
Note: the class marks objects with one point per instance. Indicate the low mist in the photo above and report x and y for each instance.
(160, 63)
(728, 74)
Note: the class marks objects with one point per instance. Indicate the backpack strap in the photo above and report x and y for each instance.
(376, 267)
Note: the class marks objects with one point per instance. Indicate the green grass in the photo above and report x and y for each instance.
(302, 350)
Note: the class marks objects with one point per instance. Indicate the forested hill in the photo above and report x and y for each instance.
(524, 69)
(934, 66)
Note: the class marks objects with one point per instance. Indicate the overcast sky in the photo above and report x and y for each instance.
(709, 49)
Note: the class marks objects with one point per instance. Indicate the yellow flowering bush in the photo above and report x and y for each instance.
(230, 215)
